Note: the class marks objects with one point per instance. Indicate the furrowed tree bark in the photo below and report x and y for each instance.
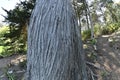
(54, 43)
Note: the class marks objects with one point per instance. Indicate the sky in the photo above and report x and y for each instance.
(116, 1)
(10, 4)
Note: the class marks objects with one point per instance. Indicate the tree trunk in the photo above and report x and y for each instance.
(54, 43)
(86, 13)
(90, 19)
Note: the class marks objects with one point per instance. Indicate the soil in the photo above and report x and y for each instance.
(105, 61)
(109, 56)
(12, 67)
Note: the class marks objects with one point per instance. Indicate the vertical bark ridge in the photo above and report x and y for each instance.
(53, 42)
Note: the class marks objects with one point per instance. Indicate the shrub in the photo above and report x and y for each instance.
(110, 28)
(86, 34)
(3, 31)
(8, 45)
(97, 30)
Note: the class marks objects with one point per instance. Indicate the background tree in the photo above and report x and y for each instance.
(18, 19)
(54, 43)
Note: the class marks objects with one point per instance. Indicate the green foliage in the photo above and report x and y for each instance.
(14, 41)
(92, 56)
(10, 76)
(3, 40)
(97, 30)
(1, 49)
(86, 34)
(8, 45)
(93, 41)
(110, 28)
(20, 14)
(5, 52)
(3, 30)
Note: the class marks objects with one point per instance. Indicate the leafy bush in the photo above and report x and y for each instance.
(1, 49)
(9, 45)
(5, 52)
(97, 30)
(86, 34)
(3, 31)
(93, 41)
(110, 28)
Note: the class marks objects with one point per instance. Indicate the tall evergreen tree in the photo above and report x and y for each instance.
(18, 19)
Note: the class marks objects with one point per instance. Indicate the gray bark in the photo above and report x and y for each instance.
(54, 43)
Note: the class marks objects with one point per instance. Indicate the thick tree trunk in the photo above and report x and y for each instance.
(54, 43)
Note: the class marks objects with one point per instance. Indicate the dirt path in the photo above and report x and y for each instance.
(15, 59)
(11, 63)
(109, 56)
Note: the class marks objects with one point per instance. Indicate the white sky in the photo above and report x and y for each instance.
(116, 1)
(10, 4)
